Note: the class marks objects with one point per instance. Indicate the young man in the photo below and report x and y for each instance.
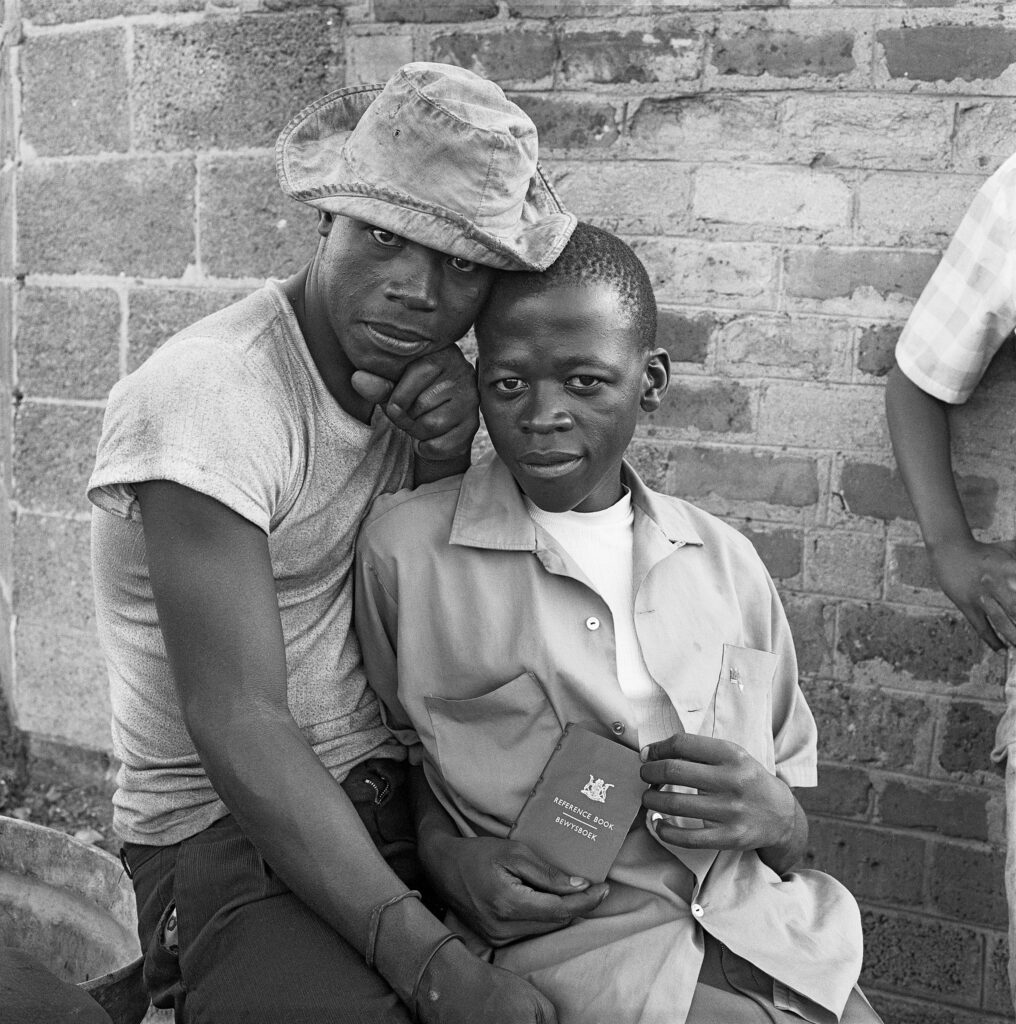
(550, 586)
(257, 780)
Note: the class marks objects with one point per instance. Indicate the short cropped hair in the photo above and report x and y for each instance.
(591, 256)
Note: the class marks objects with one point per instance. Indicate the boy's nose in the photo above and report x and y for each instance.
(415, 277)
(543, 415)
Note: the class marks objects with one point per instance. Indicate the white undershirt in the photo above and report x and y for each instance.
(602, 543)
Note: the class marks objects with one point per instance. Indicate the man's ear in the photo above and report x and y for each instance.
(655, 379)
(324, 223)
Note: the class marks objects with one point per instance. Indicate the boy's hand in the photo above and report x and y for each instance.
(435, 401)
(503, 890)
(980, 579)
(742, 806)
(458, 988)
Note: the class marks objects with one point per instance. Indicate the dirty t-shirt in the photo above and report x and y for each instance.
(234, 407)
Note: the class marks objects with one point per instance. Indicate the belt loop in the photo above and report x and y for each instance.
(126, 866)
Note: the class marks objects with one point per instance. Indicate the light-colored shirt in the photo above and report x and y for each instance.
(483, 638)
(968, 307)
(234, 407)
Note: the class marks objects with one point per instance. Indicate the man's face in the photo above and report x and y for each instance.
(387, 300)
(562, 376)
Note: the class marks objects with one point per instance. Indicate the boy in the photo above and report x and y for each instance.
(233, 471)
(549, 585)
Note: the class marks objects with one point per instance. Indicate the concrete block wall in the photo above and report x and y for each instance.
(789, 170)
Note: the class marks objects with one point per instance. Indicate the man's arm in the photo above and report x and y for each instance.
(215, 594)
(979, 578)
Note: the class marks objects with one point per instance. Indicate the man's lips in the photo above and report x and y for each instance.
(548, 464)
(399, 341)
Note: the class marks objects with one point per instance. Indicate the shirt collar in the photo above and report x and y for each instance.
(491, 511)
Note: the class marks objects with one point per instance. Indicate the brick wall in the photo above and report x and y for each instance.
(789, 172)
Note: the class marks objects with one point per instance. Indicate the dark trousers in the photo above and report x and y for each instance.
(247, 949)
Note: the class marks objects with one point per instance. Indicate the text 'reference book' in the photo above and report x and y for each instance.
(583, 805)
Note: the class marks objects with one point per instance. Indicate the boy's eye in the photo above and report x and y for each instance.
(463, 265)
(582, 382)
(509, 385)
(384, 237)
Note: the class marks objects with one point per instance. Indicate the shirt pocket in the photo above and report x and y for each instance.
(744, 702)
(492, 748)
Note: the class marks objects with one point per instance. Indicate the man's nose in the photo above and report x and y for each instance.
(545, 413)
(415, 277)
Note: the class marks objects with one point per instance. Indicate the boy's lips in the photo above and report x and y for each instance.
(399, 341)
(548, 464)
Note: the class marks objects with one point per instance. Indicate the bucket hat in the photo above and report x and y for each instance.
(438, 155)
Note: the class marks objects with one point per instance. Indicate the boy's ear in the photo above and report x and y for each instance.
(324, 223)
(655, 379)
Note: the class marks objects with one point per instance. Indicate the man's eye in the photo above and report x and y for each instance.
(385, 237)
(509, 385)
(583, 382)
(460, 263)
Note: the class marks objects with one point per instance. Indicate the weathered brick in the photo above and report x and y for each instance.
(7, 177)
(709, 273)
(137, 218)
(842, 273)
(845, 564)
(732, 475)
(931, 807)
(812, 623)
(564, 123)
(841, 791)
(983, 137)
(907, 1010)
(818, 416)
(155, 314)
(249, 227)
(912, 209)
(52, 572)
(878, 491)
(967, 738)
(705, 127)
(54, 452)
(624, 196)
(876, 348)
(685, 336)
(431, 11)
(68, 342)
(63, 12)
(997, 992)
(60, 669)
(507, 57)
(872, 864)
(375, 58)
(667, 52)
(8, 136)
(84, 110)
(934, 647)
(786, 346)
(758, 50)
(867, 131)
(706, 407)
(863, 726)
(230, 81)
(922, 956)
(910, 565)
(944, 53)
(965, 884)
(779, 549)
(650, 459)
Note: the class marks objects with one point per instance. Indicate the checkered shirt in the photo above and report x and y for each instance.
(968, 308)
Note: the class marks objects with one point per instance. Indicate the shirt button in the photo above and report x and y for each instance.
(592, 622)
(697, 911)
(618, 728)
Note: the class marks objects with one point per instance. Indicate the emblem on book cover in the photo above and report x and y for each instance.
(596, 789)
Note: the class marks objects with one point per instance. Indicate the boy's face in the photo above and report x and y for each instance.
(387, 300)
(563, 375)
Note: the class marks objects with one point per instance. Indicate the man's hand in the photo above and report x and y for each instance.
(503, 890)
(435, 401)
(741, 805)
(458, 988)
(980, 579)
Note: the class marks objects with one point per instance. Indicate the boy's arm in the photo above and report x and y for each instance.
(215, 594)
(979, 578)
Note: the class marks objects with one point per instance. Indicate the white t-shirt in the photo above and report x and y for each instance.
(234, 407)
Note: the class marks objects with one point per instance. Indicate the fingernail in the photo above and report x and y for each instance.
(644, 753)
(577, 882)
(655, 817)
